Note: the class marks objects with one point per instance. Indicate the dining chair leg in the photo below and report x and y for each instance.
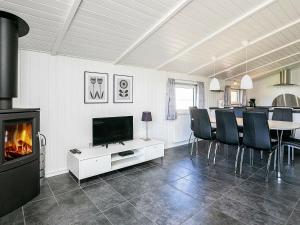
(251, 157)
(236, 159)
(208, 153)
(275, 158)
(216, 148)
(242, 158)
(289, 155)
(192, 148)
(268, 165)
(197, 146)
(190, 138)
(261, 155)
(293, 155)
(281, 156)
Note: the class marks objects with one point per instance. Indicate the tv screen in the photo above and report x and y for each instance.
(112, 129)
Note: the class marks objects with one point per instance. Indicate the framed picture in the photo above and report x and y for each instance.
(123, 89)
(95, 87)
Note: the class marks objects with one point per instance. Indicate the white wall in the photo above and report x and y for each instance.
(55, 84)
(264, 92)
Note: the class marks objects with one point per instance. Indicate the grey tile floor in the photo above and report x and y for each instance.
(179, 191)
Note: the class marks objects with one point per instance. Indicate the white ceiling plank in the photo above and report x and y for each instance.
(153, 29)
(256, 57)
(250, 43)
(219, 31)
(264, 65)
(276, 69)
(72, 12)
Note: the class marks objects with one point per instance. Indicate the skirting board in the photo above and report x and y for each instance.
(57, 172)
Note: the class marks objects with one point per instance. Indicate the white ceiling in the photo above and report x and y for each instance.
(173, 35)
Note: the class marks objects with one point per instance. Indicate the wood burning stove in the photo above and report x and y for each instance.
(19, 148)
(19, 158)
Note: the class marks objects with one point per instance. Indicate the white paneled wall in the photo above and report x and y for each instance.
(55, 84)
(264, 92)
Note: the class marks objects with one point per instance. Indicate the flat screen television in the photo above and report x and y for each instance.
(112, 130)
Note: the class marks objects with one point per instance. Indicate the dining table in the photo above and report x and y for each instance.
(279, 127)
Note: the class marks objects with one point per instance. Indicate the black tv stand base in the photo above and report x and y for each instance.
(121, 142)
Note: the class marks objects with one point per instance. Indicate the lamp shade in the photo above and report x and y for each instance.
(146, 116)
(246, 82)
(214, 85)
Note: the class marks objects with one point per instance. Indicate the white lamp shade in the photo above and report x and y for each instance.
(246, 82)
(214, 85)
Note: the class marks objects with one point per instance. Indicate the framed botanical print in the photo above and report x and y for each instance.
(123, 89)
(95, 87)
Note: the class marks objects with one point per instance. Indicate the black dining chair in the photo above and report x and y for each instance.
(238, 111)
(227, 132)
(202, 128)
(282, 114)
(264, 110)
(257, 136)
(291, 143)
(191, 110)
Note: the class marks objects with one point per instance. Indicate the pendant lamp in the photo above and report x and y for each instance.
(246, 82)
(214, 83)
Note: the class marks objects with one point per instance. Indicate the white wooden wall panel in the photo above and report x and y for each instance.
(55, 84)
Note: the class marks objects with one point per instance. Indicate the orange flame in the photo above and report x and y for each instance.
(18, 140)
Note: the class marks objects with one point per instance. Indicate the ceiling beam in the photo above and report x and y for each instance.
(70, 17)
(249, 44)
(169, 15)
(267, 64)
(219, 31)
(255, 58)
(276, 69)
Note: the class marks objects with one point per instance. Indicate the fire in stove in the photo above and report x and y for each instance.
(18, 140)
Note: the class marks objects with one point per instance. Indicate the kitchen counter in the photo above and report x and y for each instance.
(271, 108)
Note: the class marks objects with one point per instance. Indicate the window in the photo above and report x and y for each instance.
(185, 96)
(235, 97)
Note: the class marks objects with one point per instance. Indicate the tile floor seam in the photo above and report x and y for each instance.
(23, 215)
(193, 196)
(215, 209)
(263, 196)
(52, 193)
(99, 211)
(142, 213)
(114, 205)
(275, 217)
(124, 196)
(273, 171)
(292, 212)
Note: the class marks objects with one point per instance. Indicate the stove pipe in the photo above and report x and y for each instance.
(11, 28)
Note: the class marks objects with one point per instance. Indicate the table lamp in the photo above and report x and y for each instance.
(146, 117)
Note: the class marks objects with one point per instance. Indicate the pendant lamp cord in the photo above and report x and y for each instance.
(214, 68)
(246, 59)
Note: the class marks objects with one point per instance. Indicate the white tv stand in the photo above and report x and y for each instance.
(97, 160)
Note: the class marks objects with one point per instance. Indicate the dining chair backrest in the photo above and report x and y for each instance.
(256, 131)
(227, 128)
(238, 111)
(192, 113)
(262, 109)
(283, 114)
(202, 125)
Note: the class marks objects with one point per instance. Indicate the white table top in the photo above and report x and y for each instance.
(273, 124)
